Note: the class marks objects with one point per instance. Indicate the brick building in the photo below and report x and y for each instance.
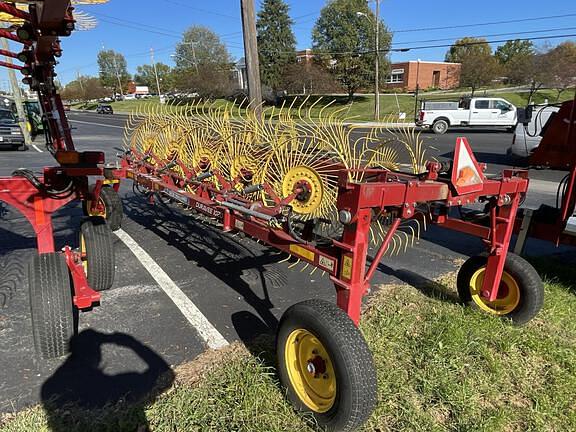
(425, 75)
(304, 56)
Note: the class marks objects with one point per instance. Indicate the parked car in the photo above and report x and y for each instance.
(475, 112)
(104, 109)
(527, 137)
(10, 132)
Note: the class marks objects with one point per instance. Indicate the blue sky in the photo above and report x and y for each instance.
(121, 21)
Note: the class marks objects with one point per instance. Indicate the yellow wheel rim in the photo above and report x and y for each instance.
(310, 370)
(96, 212)
(508, 293)
(313, 183)
(83, 254)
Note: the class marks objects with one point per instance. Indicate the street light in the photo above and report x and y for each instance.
(376, 59)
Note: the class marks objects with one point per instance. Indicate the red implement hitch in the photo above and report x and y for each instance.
(39, 196)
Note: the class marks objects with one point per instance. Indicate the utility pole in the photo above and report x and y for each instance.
(193, 45)
(155, 72)
(79, 79)
(17, 97)
(118, 77)
(377, 66)
(251, 55)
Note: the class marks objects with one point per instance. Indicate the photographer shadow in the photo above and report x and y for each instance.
(81, 396)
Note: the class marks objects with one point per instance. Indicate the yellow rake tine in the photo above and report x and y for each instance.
(285, 259)
(294, 264)
(407, 241)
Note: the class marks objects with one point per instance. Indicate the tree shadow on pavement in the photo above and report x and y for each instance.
(81, 396)
(241, 266)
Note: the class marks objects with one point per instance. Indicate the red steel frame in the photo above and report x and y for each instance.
(395, 194)
(47, 21)
(557, 150)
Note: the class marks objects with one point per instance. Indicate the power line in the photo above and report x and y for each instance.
(173, 35)
(481, 42)
(177, 3)
(422, 47)
(484, 23)
(133, 55)
(145, 26)
(486, 36)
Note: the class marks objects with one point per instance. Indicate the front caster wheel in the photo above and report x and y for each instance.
(109, 207)
(51, 304)
(325, 365)
(520, 294)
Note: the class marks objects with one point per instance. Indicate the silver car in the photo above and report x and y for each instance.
(527, 137)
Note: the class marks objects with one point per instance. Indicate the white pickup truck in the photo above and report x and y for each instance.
(484, 112)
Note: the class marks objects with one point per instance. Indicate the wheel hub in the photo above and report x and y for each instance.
(310, 370)
(316, 366)
(307, 185)
(507, 299)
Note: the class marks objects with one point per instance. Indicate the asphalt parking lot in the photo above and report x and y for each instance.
(239, 286)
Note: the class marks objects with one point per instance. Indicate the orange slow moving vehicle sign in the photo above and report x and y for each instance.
(467, 175)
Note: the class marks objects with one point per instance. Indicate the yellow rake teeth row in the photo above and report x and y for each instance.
(285, 147)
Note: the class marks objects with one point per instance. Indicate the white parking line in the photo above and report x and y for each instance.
(205, 329)
(97, 124)
(37, 149)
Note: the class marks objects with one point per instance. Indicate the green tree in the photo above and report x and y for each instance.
(276, 42)
(113, 70)
(309, 78)
(145, 76)
(200, 46)
(84, 88)
(466, 47)
(72, 91)
(479, 66)
(517, 59)
(209, 82)
(478, 71)
(560, 63)
(513, 49)
(344, 38)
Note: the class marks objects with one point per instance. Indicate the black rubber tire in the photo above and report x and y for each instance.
(99, 253)
(440, 127)
(51, 304)
(352, 361)
(113, 205)
(528, 280)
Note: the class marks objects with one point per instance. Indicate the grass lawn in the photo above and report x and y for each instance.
(441, 367)
(361, 109)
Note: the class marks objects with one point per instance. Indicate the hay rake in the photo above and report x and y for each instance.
(321, 191)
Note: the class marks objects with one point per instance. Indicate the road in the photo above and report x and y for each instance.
(239, 286)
